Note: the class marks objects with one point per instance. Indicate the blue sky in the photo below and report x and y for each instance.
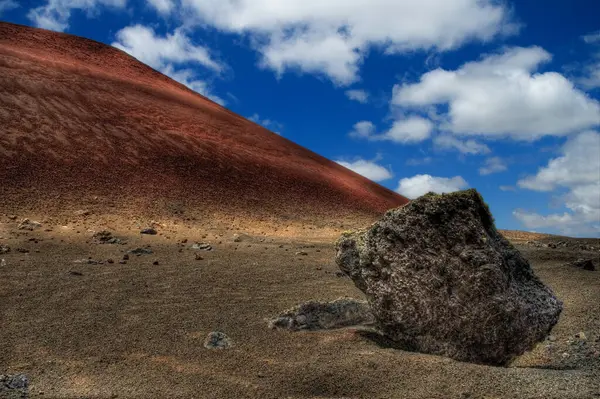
(419, 95)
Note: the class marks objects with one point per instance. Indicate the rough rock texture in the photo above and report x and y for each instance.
(440, 279)
(315, 315)
(217, 340)
(585, 264)
(14, 386)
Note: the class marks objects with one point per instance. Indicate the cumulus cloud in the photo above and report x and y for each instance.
(162, 6)
(270, 124)
(369, 169)
(6, 5)
(358, 95)
(413, 187)
(503, 95)
(412, 129)
(55, 14)
(332, 37)
(492, 165)
(470, 146)
(142, 43)
(591, 71)
(172, 55)
(576, 176)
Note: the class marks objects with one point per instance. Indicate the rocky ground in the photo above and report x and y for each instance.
(92, 314)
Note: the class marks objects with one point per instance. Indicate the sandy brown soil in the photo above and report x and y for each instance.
(136, 330)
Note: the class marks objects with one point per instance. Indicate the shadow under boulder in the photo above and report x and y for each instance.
(313, 315)
(441, 279)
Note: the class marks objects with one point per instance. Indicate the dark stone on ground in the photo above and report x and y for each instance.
(106, 237)
(139, 251)
(30, 225)
(441, 279)
(585, 264)
(14, 386)
(217, 340)
(4, 249)
(149, 230)
(203, 246)
(313, 315)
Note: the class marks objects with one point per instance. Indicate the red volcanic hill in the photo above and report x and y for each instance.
(80, 119)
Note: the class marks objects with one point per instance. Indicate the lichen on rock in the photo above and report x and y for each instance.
(441, 279)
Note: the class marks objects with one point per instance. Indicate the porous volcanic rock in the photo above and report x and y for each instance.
(441, 279)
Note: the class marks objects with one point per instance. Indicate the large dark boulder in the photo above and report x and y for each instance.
(441, 279)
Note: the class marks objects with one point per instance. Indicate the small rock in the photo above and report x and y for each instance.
(585, 264)
(155, 263)
(106, 237)
(75, 273)
(140, 251)
(202, 246)
(23, 250)
(4, 249)
(125, 257)
(110, 260)
(149, 230)
(551, 338)
(581, 336)
(302, 253)
(217, 340)
(18, 381)
(237, 238)
(82, 212)
(30, 225)
(13, 217)
(198, 257)
(123, 262)
(340, 274)
(3, 263)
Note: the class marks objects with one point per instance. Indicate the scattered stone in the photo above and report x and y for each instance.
(585, 264)
(2, 262)
(237, 238)
(441, 279)
(198, 257)
(110, 260)
(123, 262)
(75, 273)
(13, 217)
(155, 263)
(125, 257)
(88, 261)
(184, 241)
(581, 335)
(150, 230)
(340, 274)
(14, 386)
(140, 251)
(202, 246)
(82, 212)
(313, 315)
(217, 340)
(106, 237)
(22, 250)
(30, 225)
(4, 249)
(302, 253)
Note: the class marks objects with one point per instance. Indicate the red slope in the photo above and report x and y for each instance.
(80, 118)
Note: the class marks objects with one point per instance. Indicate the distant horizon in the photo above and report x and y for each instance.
(503, 97)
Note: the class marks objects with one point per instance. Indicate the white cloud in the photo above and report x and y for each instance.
(413, 187)
(270, 124)
(358, 95)
(162, 6)
(593, 37)
(171, 55)
(6, 5)
(142, 43)
(577, 174)
(186, 78)
(363, 129)
(368, 169)
(502, 95)
(55, 14)
(508, 188)
(412, 129)
(447, 142)
(332, 37)
(591, 70)
(492, 165)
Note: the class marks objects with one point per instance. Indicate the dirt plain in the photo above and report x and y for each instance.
(136, 330)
